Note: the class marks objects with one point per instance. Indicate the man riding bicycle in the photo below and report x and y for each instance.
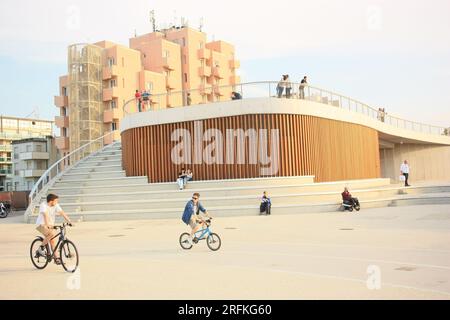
(191, 215)
(46, 221)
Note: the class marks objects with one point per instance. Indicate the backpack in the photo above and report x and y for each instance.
(186, 216)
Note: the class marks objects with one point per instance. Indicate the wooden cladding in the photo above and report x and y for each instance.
(328, 149)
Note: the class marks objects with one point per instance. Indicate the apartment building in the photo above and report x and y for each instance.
(102, 78)
(12, 129)
(31, 158)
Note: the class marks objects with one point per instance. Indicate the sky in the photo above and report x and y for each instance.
(391, 54)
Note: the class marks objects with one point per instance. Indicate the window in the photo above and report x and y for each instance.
(123, 82)
(30, 185)
(28, 148)
(64, 91)
(123, 62)
(38, 148)
(16, 173)
(113, 104)
(114, 126)
(112, 83)
(110, 61)
(16, 186)
(185, 77)
(149, 86)
(200, 45)
(63, 111)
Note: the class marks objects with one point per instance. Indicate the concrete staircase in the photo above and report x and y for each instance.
(97, 189)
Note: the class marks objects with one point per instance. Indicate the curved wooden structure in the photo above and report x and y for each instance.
(330, 150)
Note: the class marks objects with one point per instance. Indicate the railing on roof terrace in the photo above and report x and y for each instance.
(214, 93)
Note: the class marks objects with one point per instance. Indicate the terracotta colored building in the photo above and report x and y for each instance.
(169, 64)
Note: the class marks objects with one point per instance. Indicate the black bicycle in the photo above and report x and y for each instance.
(68, 253)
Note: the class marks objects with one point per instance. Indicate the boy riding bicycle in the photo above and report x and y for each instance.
(46, 221)
(191, 215)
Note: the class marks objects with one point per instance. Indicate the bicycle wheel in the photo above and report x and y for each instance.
(38, 260)
(213, 241)
(184, 241)
(69, 256)
(4, 213)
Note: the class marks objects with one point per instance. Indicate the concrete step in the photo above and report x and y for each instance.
(81, 183)
(148, 191)
(96, 169)
(98, 163)
(227, 211)
(115, 155)
(281, 194)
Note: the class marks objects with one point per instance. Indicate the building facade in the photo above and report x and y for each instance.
(31, 158)
(12, 129)
(177, 66)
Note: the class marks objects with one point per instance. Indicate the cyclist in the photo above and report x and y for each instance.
(191, 215)
(46, 221)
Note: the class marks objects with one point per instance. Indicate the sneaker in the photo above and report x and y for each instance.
(195, 240)
(58, 261)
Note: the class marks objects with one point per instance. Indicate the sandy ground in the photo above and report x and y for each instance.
(406, 250)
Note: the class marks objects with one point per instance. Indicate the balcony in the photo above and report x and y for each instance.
(204, 71)
(168, 63)
(203, 89)
(4, 172)
(6, 147)
(110, 93)
(33, 173)
(235, 80)
(235, 64)
(170, 83)
(204, 54)
(61, 101)
(34, 156)
(111, 115)
(5, 160)
(109, 72)
(62, 143)
(217, 73)
(217, 90)
(62, 122)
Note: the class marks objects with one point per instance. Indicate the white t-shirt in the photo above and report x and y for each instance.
(51, 213)
(404, 168)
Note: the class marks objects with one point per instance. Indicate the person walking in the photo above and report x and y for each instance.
(404, 170)
(302, 86)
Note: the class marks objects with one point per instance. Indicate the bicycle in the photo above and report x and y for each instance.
(212, 240)
(68, 253)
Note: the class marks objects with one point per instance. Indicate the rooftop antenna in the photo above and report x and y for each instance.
(34, 113)
(174, 24)
(201, 25)
(153, 20)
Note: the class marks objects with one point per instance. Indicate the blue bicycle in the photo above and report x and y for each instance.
(212, 239)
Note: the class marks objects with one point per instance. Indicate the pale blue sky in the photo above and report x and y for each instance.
(394, 54)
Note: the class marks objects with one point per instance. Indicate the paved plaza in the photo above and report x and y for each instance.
(383, 253)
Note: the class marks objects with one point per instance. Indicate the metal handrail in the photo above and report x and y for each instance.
(311, 93)
(59, 167)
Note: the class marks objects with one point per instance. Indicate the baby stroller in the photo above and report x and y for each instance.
(351, 204)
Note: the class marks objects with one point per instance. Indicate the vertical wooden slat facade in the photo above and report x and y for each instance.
(328, 149)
